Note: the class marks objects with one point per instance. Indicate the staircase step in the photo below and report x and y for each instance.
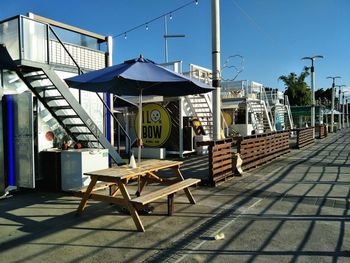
(82, 133)
(65, 107)
(51, 98)
(63, 117)
(73, 125)
(45, 87)
(36, 77)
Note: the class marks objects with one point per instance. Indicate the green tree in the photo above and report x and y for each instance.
(324, 97)
(296, 88)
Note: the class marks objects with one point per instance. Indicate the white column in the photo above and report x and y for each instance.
(332, 107)
(215, 12)
(110, 63)
(181, 127)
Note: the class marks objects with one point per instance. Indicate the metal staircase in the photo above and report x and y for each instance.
(290, 124)
(279, 116)
(54, 94)
(259, 115)
(201, 108)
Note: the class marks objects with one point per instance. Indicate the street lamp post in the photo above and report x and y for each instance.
(313, 89)
(332, 105)
(347, 113)
(216, 83)
(343, 110)
(340, 125)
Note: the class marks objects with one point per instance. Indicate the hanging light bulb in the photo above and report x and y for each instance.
(125, 37)
(196, 2)
(171, 16)
(147, 27)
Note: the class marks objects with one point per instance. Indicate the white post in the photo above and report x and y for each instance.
(181, 127)
(127, 129)
(215, 12)
(339, 116)
(109, 63)
(343, 111)
(313, 96)
(332, 107)
(139, 133)
(347, 113)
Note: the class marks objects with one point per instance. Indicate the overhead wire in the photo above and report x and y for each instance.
(146, 24)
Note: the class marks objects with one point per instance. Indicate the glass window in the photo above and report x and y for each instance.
(9, 37)
(34, 41)
(74, 38)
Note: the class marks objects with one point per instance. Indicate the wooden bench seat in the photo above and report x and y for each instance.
(168, 191)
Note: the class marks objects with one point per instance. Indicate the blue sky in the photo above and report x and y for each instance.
(271, 35)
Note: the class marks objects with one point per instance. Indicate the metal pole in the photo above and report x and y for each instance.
(313, 89)
(109, 63)
(339, 105)
(215, 13)
(139, 133)
(347, 113)
(332, 107)
(343, 111)
(333, 98)
(165, 39)
(312, 95)
(181, 127)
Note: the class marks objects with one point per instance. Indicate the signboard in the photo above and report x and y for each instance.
(156, 125)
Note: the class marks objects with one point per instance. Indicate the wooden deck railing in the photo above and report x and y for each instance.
(220, 157)
(305, 136)
(322, 131)
(256, 150)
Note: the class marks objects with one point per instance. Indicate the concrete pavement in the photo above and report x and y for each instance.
(295, 209)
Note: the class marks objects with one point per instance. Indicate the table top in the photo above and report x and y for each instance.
(125, 172)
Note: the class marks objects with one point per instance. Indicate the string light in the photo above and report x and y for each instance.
(155, 19)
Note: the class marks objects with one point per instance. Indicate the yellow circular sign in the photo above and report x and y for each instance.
(227, 118)
(156, 125)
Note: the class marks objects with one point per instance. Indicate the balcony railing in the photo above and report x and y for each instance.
(27, 39)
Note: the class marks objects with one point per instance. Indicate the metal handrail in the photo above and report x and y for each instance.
(65, 49)
(80, 71)
(115, 118)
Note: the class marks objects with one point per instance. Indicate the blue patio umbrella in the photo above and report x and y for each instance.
(138, 77)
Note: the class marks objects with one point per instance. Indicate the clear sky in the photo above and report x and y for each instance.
(271, 35)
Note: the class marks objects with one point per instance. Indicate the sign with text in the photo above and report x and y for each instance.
(156, 125)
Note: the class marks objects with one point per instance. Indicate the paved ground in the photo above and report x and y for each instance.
(295, 209)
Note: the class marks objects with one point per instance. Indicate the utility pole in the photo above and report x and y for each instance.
(332, 105)
(215, 25)
(313, 58)
(347, 113)
(343, 111)
(340, 124)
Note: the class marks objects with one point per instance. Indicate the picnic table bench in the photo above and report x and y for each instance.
(117, 179)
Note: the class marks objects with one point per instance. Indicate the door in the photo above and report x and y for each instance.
(23, 139)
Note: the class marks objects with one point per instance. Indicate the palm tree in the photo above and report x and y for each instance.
(296, 88)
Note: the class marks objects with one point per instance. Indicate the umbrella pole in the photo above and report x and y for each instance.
(140, 129)
(139, 142)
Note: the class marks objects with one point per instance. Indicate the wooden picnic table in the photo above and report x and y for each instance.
(118, 178)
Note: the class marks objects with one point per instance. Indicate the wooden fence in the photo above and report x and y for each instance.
(305, 136)
(220, 156)
(322, 131)
(259, 149)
